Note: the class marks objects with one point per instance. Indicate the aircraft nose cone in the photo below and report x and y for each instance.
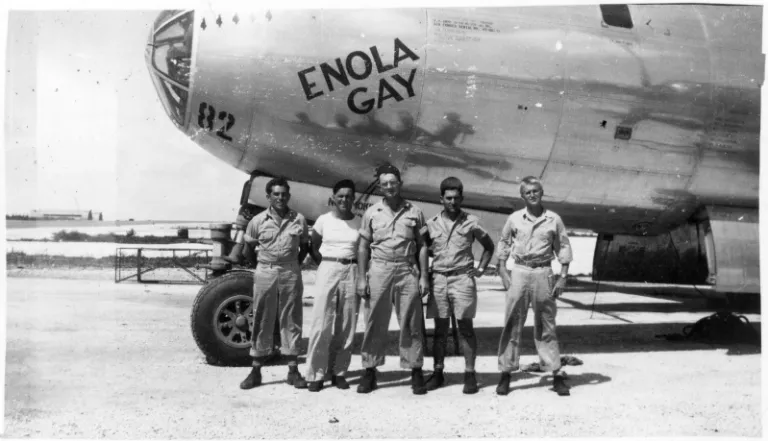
(169, 59)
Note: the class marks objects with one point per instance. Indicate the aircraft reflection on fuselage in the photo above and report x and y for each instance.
(451, 131)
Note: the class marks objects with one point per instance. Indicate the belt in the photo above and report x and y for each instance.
(408, 260)
(532, 264)
(453, 272)
(342, 261)
(271, 264)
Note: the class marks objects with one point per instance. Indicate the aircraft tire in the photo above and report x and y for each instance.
(231, 291)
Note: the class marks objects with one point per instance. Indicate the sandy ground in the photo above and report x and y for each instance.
(89, 358)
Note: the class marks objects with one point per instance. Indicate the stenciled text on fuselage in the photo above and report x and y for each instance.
(397, 87)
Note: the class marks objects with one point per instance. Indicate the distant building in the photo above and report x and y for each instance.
(65, 214)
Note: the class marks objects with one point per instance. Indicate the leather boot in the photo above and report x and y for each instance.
(294, 378)
(503, 387)
(559, 386)
(417, 382)
(315, 386)
(252, 380)
(436, 380)
(368, 383)
(470, 383)
(340, 382)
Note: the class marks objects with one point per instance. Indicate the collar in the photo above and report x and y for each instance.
(271, 214)
(406, 205)
(460, 218)
(544, 215)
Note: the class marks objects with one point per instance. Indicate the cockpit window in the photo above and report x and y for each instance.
(171, 59)
(173, 48)
(165, 16)
(617, 15)
(177, 98)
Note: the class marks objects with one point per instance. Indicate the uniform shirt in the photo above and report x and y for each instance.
(392, 235)
(535, 240)
(276, 241)
(340, 237)
(454, 253)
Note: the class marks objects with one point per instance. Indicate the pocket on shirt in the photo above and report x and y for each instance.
(462, 237)
(266, 237)
(406, 228)
(438, 240)
(293, 238)
(545, 235)
(380, 230)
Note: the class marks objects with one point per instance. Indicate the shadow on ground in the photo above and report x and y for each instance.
(575, 340)
(387, 379)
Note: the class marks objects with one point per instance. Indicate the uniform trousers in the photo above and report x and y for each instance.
(529, 285)
(334, 319)
(277, 291)
(393, 283)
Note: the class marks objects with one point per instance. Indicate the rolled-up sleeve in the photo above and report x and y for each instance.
(506, 240)
(561, 246)
(365, 226)
(252, 233)
(421, 226)
(478, 232)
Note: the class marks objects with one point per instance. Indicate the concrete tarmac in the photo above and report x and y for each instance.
(94, 359)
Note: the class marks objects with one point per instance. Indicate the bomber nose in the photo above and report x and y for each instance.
(169, 59)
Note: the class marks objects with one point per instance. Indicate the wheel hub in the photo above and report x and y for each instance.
(241, 322)
(233, 319)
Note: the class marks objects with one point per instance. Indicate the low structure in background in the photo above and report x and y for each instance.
(66, 215)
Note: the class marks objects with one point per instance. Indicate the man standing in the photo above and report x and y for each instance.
(392, 235)
(277, 241)
(334, 315)
(533, 236)
(453, 285)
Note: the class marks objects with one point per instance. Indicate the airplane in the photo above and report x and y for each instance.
(642, 121)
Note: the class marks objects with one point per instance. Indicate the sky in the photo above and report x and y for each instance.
(84, 128)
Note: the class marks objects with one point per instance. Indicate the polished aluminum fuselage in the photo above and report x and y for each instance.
(631, 130)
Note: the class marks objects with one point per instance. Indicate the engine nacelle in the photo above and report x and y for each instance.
(719, 247)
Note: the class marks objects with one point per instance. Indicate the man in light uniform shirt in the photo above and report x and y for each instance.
(277, 240)
(393, 235)
(452, 232)
(532, 236)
